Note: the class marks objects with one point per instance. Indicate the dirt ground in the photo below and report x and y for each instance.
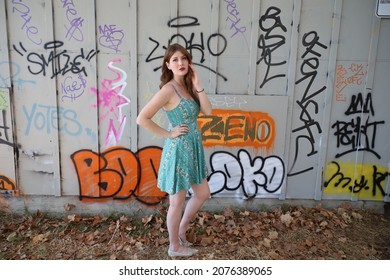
(287, 233)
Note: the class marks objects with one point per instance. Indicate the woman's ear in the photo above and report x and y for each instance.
(167, 64)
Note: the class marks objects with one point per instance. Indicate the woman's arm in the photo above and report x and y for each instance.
(144, 119)
(163, 98)
(205, 104)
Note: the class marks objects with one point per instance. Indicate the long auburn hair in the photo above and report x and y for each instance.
(167, 74)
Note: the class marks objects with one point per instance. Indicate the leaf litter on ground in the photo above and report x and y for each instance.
(283, 234)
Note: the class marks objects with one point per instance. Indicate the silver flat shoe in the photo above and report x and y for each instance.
(185, 243)
(188, 253)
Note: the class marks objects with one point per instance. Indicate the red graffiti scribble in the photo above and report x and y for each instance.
(352, 75)
(116, 173)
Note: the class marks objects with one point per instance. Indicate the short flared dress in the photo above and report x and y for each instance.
(182, 161)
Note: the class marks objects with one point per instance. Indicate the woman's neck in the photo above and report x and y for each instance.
(179, 81)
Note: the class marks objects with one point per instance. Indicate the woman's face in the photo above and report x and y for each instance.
(178, 64)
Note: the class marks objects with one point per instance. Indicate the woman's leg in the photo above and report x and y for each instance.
(201, 193)
(175, 210)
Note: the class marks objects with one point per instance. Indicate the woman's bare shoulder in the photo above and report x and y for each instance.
(167, 87)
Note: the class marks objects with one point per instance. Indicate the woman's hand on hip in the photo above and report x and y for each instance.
(179, 130)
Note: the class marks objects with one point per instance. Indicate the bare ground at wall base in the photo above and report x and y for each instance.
(288, 233)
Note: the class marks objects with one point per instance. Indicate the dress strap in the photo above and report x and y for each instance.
(178, 94)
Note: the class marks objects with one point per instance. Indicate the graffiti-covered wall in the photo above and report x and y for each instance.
(300, 94)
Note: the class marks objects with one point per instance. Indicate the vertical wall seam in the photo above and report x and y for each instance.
(214, 27)
(368, 85)
(134, 75)
(57, 182)
(328, 97)
(253, 47)
(291, 74)
(6, 49)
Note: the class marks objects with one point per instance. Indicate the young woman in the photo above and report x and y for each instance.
(183, 164)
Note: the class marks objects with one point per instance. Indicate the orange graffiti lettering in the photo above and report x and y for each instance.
(116, 174)
(149, 160)
(6, 184)
(237, 128)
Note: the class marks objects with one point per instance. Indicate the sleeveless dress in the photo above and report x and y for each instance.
(182, 161)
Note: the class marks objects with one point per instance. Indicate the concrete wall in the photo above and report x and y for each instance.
(300, 92)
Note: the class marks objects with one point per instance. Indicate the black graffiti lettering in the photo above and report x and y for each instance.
(4, 128)
(357, 106)
(378, 179)
(58, 62)
(242, 173)
(311, 44)
(309, 75)
(190, 45)
(220, 45)
(269, 43)
(359, 185)
(150, 56)
(339, 179)
(342, 179)
(307, 119)
(197, 46)
(354, 137)
(345, 135)
(308, 105)
(298, 144)
(357, 134)
(192, 21)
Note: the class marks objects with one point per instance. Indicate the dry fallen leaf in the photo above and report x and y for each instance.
(146, 220)
(357, 216)
(286, 219)
(343, 239)
(220, 218)
(12, 237)
(69, 207)
(266, 243)
(228, 213)
(205, 241)
(40, 237)
(74, 218)
(274, 255)
(273, 235)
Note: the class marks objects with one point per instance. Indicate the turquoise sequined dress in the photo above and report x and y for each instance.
(182, 161)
